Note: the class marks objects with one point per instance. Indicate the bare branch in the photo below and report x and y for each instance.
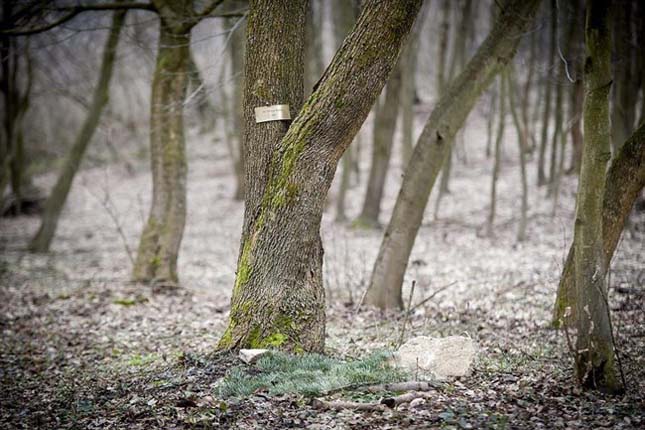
(72, 11)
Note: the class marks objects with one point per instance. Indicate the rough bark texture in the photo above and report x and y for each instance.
(433, 145)
(594, 342)
(160, 240)
(278, 297)
(58, 196)
(382, 142)
(625, 180)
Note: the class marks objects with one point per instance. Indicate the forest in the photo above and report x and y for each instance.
(322, 214)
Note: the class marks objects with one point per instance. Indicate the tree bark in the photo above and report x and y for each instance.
(594, 343)
(58, 196)
(433, 145)
(382, 142)
(278, 297)
(158, 250)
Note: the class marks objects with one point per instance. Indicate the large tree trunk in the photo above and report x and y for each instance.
(58, 196)
(547, 94)
(594, 343)
(159, 244)
(625, 180)
(433, 145)
(278, 297)
(382, 142)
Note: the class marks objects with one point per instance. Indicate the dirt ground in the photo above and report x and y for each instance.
(83, 347)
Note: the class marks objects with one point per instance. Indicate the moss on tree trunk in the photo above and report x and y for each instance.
(594, 349)
(625, 180)
(159, 243)
(278, 297)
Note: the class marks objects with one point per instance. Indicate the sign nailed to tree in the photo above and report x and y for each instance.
(272, 113)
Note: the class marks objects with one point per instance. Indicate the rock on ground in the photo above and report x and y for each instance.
(438, 358)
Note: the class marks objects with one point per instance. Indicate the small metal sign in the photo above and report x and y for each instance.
(272, 113)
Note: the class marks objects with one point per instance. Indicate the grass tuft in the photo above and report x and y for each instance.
(307, 374)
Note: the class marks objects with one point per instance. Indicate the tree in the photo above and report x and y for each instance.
(522, 149)
(15, 89)
(433, 145)
(408, 85)
(278, 297)
(58, 196)
(594, 350)
(161, 237)
(497, 156)
(383, 139)
(344, 19)
(553, 34)
(625, 180)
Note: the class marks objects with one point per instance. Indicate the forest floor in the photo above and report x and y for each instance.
(83, 347)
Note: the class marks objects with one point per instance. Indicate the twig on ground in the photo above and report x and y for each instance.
(382, 405)
(404, 386)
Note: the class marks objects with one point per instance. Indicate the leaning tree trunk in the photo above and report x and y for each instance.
(433, 145)
(547, 95)
(625, 180)
(382, 142)
(159, 244)
(278, 297)
(594, 349)
(58, 196)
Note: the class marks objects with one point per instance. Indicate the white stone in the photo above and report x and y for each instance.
(437, 358)
(250, 356)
